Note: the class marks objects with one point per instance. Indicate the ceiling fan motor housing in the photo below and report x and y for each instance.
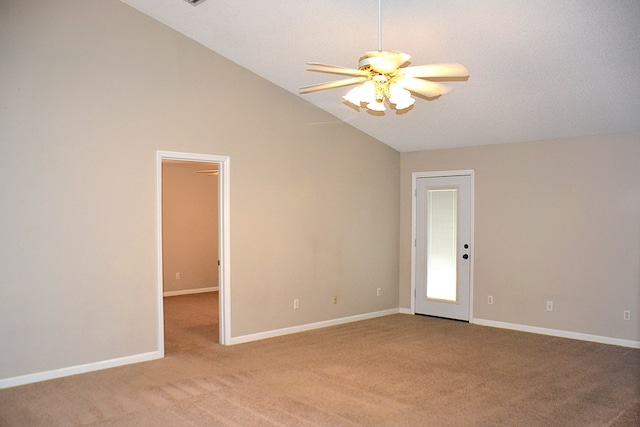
(383, 61)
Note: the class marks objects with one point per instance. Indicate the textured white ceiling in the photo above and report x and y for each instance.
(540, 69)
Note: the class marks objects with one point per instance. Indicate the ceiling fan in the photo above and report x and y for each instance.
(210, 172)
(384, 75)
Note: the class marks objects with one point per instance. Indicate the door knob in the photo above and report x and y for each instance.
(465, 256)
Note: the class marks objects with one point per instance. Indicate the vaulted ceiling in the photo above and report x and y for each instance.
(539, 69)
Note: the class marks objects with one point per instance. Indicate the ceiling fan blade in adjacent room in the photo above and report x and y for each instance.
(450, 69)
(335, 69)
(424, 87)
(331, 85)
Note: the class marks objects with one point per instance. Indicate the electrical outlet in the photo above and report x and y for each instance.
(335, 299)
(626, 315)
(549, 305)
(296, 304)
(379, 292)
(490, 299)
(177, 275)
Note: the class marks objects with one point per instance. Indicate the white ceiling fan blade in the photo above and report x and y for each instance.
(450, 69)
(424, 87)
(331, 85)
(336, 69)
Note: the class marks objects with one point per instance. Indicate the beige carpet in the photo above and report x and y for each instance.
(398, 370)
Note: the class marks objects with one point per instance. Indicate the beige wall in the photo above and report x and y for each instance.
(554, 220)
(189, 226)
(89, 91)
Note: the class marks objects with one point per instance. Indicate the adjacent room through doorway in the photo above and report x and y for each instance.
(190, 252)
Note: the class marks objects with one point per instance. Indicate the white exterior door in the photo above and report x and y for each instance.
(443, 246)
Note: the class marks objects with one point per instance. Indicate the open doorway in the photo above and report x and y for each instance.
(193, 243)
(190, 254)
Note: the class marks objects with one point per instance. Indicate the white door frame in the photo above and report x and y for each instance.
(224, 249)
(414, 187)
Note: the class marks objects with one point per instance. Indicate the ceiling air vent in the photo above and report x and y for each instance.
(194, 2)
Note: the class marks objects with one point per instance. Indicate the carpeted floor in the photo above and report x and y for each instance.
(398, 370)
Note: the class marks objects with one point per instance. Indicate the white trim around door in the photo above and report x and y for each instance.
(224, 249)
(414, 179)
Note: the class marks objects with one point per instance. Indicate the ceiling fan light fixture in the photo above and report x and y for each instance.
(367, 92)
(376, 106)
(400, 97)
(373, 94)
(353, 97)
(405, 104)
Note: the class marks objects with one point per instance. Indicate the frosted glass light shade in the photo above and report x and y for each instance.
(405, 103)
(398, 92)
(400, 97)
(367, 92)
(353, 96)
(376, 106)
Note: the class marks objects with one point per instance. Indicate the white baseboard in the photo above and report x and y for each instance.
(79, 369)
(310, 326)
(558, 333)
(190, 291)
(144, 357)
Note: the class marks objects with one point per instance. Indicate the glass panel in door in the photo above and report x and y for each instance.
(442, 248)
